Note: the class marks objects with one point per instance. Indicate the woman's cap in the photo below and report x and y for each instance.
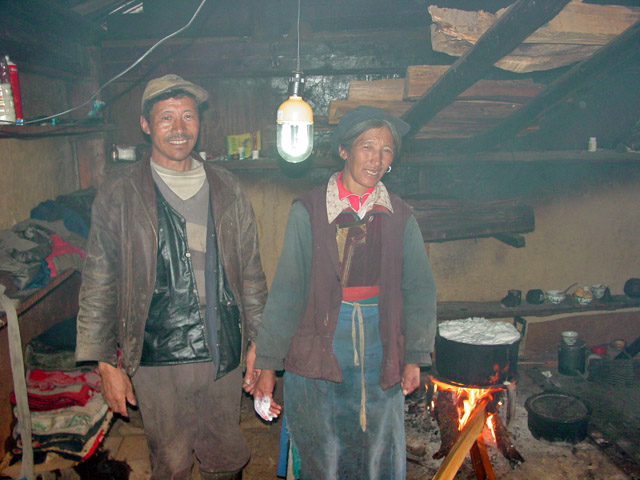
(360, 114)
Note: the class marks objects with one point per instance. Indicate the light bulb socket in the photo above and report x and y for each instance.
(296, 83)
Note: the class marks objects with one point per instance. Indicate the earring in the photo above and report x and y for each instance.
(389, 169)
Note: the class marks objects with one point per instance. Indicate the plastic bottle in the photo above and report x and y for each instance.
(7, 111)
(15, 87)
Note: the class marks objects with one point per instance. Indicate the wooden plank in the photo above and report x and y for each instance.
(446, 223)
(337, 108)
(417, 83)
(577, 23)
(387, 89)
(419, 78)
(573, 35)
(461, 447)
(481, 461)
(620, 50)
(460, 111)
(531, 58)
(518, 22)
(511, 239)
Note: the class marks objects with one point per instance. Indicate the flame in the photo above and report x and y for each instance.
(491, 425)
(466, 399)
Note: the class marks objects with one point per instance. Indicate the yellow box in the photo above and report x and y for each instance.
(243, 144)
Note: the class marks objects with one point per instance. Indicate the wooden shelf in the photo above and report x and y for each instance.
(458, 310)
(554, 156)
(40, 131)
(425, 159)
(270, 163)
(35, 295)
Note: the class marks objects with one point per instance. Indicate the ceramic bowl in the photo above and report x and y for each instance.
(583, 300)
(598, 290)
(569, 337)
(555, 296)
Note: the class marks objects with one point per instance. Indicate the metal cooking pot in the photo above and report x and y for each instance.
(476, 365)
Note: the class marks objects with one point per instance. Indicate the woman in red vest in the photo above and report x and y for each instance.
(351, 312)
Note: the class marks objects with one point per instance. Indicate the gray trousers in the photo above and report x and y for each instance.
(186, 412)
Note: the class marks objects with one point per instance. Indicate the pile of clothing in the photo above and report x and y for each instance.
(51, 241)
(69, 417)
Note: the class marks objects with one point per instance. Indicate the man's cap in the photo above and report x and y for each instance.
(158, 86)
(360, 114)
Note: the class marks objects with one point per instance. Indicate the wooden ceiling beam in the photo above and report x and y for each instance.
(328, 53)
(521, 19)
(616, 52)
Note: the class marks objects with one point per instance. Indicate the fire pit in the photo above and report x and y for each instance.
(466, 393)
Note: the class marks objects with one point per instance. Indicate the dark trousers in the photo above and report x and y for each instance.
(186, 412)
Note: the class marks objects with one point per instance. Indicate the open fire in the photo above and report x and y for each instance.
(453, 405)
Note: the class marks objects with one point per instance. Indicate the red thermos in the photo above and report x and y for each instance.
(15, 87)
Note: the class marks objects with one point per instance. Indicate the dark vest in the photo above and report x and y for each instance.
(175, 330)
(310, 352)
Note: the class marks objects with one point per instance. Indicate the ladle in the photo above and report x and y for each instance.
(567, 289)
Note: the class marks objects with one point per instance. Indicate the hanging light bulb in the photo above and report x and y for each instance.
(295, 118)
(295, 123)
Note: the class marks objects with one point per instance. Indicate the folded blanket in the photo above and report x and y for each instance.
(76, 419)
(70, 447)
(61, 397)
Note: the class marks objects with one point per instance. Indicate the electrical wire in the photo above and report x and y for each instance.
(298, 31)
(92, 97)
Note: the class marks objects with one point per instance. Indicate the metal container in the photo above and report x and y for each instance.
(557, 417)
(476, 365)
(571, 358)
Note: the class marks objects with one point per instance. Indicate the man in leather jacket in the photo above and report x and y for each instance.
(173, 292)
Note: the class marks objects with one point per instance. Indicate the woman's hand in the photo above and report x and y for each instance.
(410, 378)
(252, 374)
(264, 387)
(116, 388)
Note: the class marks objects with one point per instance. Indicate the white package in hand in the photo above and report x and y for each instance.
(262, 406)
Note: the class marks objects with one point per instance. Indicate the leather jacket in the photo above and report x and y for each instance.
(119, 271)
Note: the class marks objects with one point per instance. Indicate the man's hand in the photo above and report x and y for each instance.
(116, 388)
(252, 374)
(410, 378)
(264, 387)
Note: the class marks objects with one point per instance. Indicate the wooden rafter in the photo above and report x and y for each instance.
(521, 20)
(616, 52)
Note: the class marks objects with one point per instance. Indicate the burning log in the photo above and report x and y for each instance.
(446, 415)
(452, 406)
(503, 441)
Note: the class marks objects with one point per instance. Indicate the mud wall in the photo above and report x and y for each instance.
(586, 232)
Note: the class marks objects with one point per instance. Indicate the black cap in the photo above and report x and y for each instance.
(360, 114)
